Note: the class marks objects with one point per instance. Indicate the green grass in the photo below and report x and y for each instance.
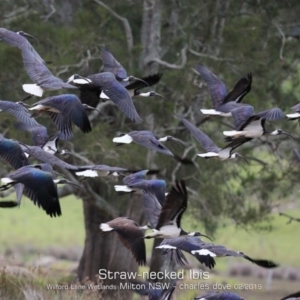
(28, 225)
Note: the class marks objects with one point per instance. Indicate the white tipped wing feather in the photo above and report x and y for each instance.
(33, 89)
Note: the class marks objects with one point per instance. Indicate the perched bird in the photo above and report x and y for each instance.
(64, 109)
(34, 65)
(18, 110)
(223, 102)
(146, 139)
(197, 247)
(168, 223)
(250, 125)
(107, 83)
(130, 234)
(212, 150)
(219, 296)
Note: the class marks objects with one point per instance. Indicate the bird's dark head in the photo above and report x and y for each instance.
(197, 233)
(238, 155)
(24, 34)
(280, 131)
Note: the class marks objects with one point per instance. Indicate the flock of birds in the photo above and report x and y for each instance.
(163, 209)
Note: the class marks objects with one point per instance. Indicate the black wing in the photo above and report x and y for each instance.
(240, 90)
(174, 206)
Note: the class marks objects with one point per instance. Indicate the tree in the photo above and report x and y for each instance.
(230, 38)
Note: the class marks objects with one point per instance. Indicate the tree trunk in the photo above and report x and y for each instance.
(151, 38)
(106, 252)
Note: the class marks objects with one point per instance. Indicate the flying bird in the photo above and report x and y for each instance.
(101, 171)
(197, 247)
(38, 185)
(110, 64)
(224, 102)
(168, 224)
(212, 150)
(107, 83)
(250, 125)
(64, 109)
(146, 139)
(296, 114)
(130, 234)
(18, 110)
(35, 66)
(12, 153)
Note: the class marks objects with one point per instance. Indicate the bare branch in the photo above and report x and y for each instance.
(50, 14)
(210, 56)
(290, 218)
(127, 27)
(84, 61)
(173, 66)
(283, 40)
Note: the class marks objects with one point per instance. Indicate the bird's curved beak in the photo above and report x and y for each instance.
(283, 132)
(70, 182)
(159, 95)
(131, 78)
(28, 35)
(206, 236)
(172, 139)
(244, 158)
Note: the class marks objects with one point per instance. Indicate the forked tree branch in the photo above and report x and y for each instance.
(126, 25)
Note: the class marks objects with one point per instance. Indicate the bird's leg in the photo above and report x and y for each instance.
(27, 98)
